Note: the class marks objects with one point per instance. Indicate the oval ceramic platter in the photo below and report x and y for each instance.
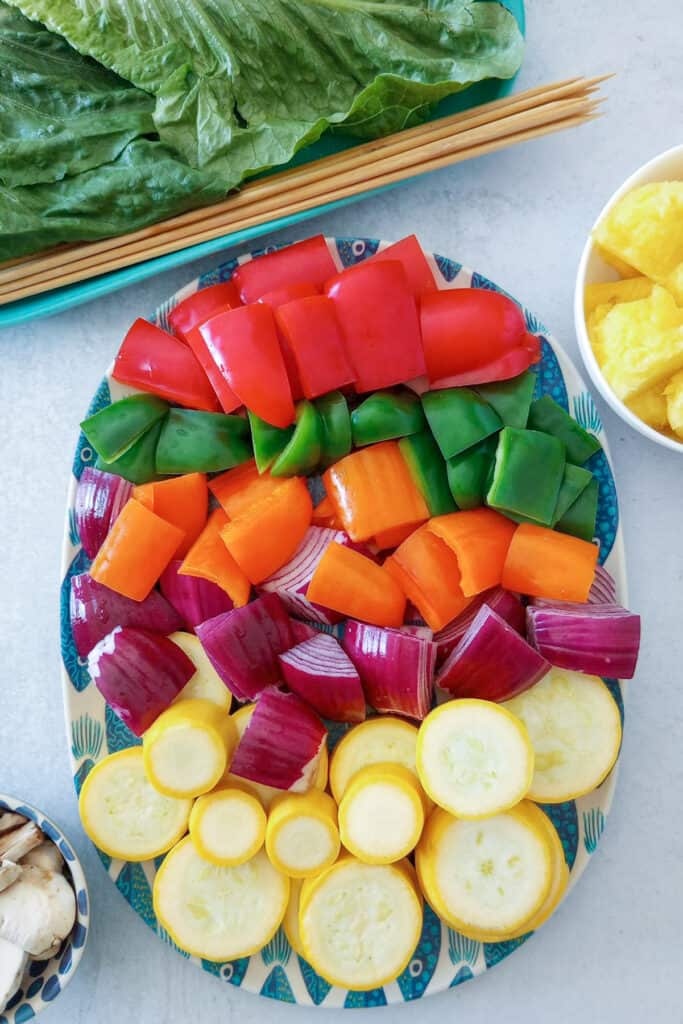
(443, 958)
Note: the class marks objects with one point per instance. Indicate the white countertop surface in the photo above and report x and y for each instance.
(613, 952)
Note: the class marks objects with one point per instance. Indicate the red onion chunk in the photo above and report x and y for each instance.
(243, 645)
(282, 743)
(100, 497)
(597, 639)
(396, 669)
(95, 610)
(491, 662)
(603, 589)
(139, 674)
(320, 673)
(503, 602)
(195, 599)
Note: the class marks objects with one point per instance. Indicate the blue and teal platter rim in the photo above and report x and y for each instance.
(443, 958)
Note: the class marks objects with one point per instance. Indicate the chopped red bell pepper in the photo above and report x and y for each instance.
(244, 345)
(201, 305)
(410, 255)
(155, 361)
(226, 396)
(288, 293)
(308, 262)
(512, 364)
(464, 329)
(311, 331)
(379, 321)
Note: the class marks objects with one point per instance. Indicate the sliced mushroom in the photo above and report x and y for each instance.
(9, 820)
(13, 961)
(15, 845)
(9, 873)
(37, 911)
(45, 856)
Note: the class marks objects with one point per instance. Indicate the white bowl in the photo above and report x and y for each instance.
(667, 166)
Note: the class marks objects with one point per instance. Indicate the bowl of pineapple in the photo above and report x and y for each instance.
(628, 303)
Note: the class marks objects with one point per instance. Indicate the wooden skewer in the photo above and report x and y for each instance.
(360, 169)
(406, 159)
(356, 157)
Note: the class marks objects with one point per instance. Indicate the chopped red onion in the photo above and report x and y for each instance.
(194, 598)
(95, 610)
(319, 672)
(100, 497)
(598, 639)
(503, 602)
(395, 668)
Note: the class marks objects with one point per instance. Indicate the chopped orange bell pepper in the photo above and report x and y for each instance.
(349, 583)
(393, 537)
(182, 500)
(209, 558)
(136, 551)
(544, 563)
(427, 572)
(373, 491)
(480, 539)
(324, 514)
(264, 537)
(239, 489)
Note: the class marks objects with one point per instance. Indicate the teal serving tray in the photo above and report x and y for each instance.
(59, 299)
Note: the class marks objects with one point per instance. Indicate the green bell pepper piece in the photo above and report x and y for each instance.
(268, 441)
(428, 470)
(302, 453)
(574, 482)
(335, 427)
(580, 518)
(546, 415)
(527, 475)
(116, 428)
(458, 419)
(138, 464)
(385, 415)
(469, 473)
(202, 442)
(510, 398)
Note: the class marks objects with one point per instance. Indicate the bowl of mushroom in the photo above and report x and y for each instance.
(44, 911)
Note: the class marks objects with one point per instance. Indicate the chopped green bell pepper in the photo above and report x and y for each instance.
(268, 441)
(385, 415)
(470, 472)
(335, 425)
(116, 428)
(302, 453)
(510, 398)
(546, 415)
(574, 482)
(138, 464)
(527, 475)
(458, 419)
(428, 470)
(202, 442)
(580, 518)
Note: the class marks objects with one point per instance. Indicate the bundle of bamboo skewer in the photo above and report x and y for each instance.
(447, 140)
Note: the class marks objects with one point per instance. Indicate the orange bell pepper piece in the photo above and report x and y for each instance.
(239, 489)
(393, 537)
(264, 537)
(544, 563)
(349, 583)
(136, 551)
(427, 572)
(324, 514)
(182, 500)
(480, 539)
(209, 558)
(373, 491)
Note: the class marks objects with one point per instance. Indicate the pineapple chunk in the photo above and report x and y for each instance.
(639, 344)
(593, 326)
(611, 292)
(623, 269)
(674, 403)
(650, 407)
(645, 229)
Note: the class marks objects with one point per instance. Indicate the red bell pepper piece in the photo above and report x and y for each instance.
(155, 361)
(226, 396)
(464, 329)
(308, 262)
(514, 362)
(288, 293)
(244, 345)
(410, 255)
(379, 321)
(201, 305)
(311, 331)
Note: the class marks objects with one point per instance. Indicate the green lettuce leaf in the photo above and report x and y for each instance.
(241, 85)
(60, 112)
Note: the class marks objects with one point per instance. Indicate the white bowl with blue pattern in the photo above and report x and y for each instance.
(45, 979)
(443, 958)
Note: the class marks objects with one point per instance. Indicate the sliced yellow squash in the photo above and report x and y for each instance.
(187, 748)
(302, 837)
(205, 684)
(381, 740)
(228, 826)
(560, 871)
(290, 923)
(381, 814)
